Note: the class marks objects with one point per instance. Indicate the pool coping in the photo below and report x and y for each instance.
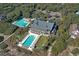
(32, 44)
(14, 23)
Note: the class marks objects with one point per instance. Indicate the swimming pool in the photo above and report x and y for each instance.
(21, 23)
(29, 40)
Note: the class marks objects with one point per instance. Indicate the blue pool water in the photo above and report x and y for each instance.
(29, 40)
(21, 23)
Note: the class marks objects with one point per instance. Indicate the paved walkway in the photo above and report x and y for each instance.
(50, 48)
(6, 37)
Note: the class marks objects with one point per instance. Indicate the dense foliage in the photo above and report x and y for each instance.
(68, 12)
(14, 11)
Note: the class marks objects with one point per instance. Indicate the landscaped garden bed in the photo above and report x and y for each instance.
(42, 42)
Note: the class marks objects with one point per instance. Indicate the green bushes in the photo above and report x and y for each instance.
(61, 44)
(3, 46)
(7, 28)
(58, 47)
(75, 51)
(74, 42)
(1, 38)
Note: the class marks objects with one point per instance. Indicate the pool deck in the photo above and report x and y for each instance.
(32, 44)
(25, 19)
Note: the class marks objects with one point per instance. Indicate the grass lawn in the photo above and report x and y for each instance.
(43, 40)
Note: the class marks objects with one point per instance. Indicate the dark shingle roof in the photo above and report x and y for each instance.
(42, 25)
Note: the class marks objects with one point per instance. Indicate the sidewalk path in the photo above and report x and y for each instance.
(50, 48)
(6, 38)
